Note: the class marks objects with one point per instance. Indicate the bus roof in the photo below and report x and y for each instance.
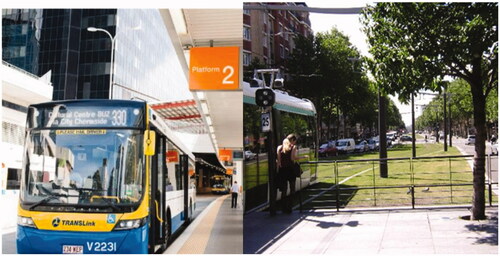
(284, 101)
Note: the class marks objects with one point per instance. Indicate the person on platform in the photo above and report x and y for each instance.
(286, 156)
(235, 189)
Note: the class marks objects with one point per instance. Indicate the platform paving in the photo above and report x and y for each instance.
(217, 230)
(423, 231)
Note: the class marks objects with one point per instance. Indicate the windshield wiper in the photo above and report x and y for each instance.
(46, 200)
(110, 204)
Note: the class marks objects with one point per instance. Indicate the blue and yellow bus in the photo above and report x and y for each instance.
(96, 179)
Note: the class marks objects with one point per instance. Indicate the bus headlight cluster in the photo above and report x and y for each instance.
(129, 224)
(25, 221)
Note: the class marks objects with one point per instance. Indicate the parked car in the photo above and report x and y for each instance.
(471, 139)
(362, 146)
(249, 155)
(406, 138)
(373, 144)
(391, 136)
(377, 140)
(345, 145)
(328, 149)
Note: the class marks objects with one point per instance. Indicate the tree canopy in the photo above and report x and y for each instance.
(416, 45)
(326, 69)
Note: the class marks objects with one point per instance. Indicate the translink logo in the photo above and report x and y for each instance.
(55, 222)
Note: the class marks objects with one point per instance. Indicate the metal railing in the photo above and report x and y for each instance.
(412, 182)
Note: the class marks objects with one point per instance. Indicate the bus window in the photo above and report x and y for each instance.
(78, 167)
(178, 176)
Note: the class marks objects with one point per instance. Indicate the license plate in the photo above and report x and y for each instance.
(72, 249)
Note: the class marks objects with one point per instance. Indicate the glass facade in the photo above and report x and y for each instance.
(21, 31)
(146, 62)
(95, 53)
(59, 48)
(57, 40)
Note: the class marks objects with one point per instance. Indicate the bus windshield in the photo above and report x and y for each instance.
(82, 169)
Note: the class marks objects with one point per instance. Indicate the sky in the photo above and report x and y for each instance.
(350, 25)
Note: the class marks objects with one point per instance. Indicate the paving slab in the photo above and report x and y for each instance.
(422, 231)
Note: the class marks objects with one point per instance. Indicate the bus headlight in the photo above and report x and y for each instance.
(129, 224)
(25, 221)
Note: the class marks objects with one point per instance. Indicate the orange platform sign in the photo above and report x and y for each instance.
(214, 68)
(229, 171)
(172, 156)
(226, 154)
(191, 172)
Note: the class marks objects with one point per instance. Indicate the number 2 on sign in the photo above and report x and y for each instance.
(231, 73)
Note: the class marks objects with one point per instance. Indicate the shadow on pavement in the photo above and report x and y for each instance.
(488, 231)
(261, 231)
(332, 224)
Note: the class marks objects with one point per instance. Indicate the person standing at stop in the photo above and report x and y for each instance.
(235, 189)
(287, 154)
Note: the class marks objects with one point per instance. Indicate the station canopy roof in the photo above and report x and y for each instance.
(181, 116)
(210, 160)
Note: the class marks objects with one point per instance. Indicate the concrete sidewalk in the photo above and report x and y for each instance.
(430, 231)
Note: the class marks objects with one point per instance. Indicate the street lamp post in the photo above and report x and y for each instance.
(112, 64)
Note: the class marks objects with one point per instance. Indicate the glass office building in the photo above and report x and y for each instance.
(146, 60)
(56, 40)
(21, 30)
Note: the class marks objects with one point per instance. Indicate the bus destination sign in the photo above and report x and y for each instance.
(88, 117)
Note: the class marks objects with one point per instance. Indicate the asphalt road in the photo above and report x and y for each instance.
(9, 238)
(469, 150)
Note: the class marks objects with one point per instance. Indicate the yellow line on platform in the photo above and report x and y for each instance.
(198, 241)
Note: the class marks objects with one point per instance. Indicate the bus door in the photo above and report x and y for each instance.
(158, 235)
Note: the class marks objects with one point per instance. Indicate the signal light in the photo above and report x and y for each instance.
(264, 97)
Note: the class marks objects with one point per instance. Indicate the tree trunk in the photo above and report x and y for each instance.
(479, 102)
(319, 115)
(338, 123)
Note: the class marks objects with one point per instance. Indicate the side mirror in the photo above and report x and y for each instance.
(149, 142)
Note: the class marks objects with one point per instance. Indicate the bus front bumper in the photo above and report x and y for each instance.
(35, 241)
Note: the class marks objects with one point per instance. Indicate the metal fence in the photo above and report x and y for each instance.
(411, 182)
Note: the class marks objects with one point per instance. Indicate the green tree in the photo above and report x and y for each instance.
(248, 70)
(304, 70)
(322, 71)
(394, 120)
(414, 45)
